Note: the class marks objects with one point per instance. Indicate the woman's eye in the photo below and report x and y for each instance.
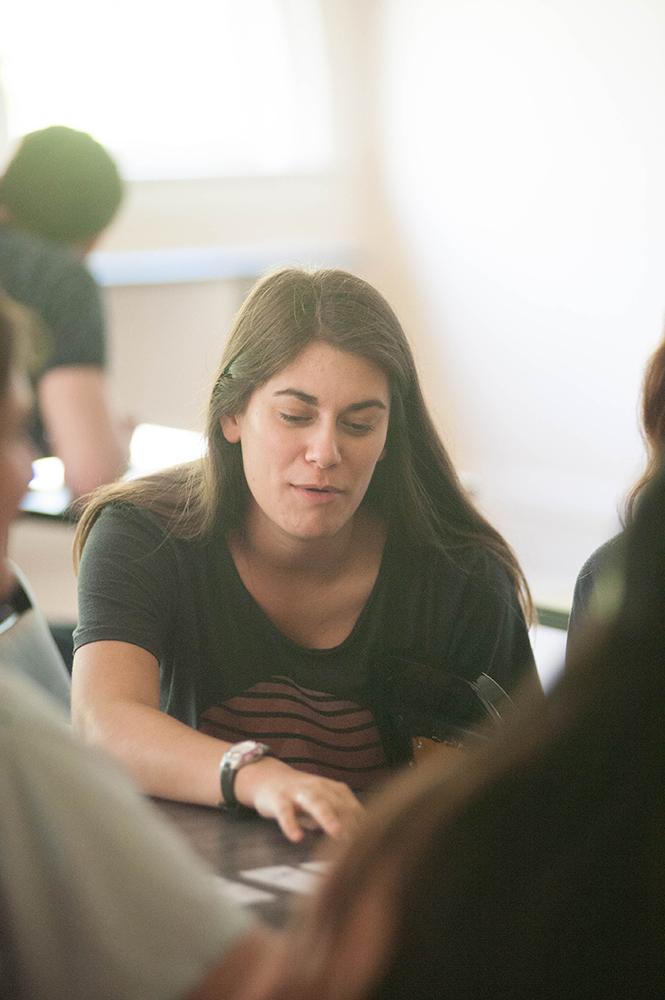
(359, 428)
(294, 418)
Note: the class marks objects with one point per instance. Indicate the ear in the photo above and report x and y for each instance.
(230, 427)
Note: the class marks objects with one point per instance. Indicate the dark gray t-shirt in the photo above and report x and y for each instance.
(595, 590)
(225, 668)
(63, 299)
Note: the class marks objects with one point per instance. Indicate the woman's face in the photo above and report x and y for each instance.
(311, 437)
(16, 455)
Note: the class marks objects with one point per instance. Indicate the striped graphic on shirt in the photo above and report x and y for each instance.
(310, 730)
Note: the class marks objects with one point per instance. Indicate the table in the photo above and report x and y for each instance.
(232, 844)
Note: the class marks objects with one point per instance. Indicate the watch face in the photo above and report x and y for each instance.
(236, 757)
(247, 752)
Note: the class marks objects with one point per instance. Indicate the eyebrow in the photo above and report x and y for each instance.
(304, 397)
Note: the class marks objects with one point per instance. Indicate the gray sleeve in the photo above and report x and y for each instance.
(28, 645)
(127, 584)
(71, 309)
(103, 899)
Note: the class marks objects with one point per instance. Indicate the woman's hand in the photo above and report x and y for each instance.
(298, 800)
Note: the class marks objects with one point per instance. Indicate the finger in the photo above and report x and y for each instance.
(285, 815)
(322, 811)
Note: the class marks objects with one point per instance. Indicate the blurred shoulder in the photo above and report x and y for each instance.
(602, 559)
(30, 254)
(27, 709)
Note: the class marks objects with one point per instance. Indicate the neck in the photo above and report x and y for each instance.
(262, 543)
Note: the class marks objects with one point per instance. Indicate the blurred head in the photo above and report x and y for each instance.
(653, 422)
(15, 447)
(62, 185)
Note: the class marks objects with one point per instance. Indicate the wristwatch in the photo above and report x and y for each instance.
(237, 756)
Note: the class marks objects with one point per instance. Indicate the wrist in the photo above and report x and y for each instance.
(238, 757)
(250, 779)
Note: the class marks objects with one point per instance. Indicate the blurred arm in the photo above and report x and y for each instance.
(93, 447)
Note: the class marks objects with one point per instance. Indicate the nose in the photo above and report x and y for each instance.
(322, 448)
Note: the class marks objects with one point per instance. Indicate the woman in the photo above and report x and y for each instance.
(598, 582)
(535, 874)
(322, 546)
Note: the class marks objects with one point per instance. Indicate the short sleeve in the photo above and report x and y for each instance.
(103, 899)
(60, 292)
(71, 311)
(490, 634)
(597, 587)
(127, 581)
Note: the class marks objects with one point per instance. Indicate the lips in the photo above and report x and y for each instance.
(312, 488)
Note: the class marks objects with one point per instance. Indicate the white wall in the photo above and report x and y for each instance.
(165, 342)
(522, 158)
(500, 176)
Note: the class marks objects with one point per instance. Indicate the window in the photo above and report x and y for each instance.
(200, 88)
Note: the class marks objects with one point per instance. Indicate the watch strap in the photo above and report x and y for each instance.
(236, 757)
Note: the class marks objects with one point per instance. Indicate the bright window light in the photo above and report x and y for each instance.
(154, 447)
(174, 90)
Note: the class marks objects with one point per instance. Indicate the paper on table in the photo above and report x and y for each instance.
(244, 895)
(318, 867)
(283, 877)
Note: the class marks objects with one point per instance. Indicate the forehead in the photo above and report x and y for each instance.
(320, 370)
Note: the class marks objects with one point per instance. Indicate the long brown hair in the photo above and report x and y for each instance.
(415, 487)
(534, 871)
(653, 425)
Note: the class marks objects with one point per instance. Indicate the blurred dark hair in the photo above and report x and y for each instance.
(653, 424)
(536, 870)
(61, 184)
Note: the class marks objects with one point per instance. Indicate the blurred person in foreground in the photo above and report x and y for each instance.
(537, 871)
(98, 898)
(59, 192)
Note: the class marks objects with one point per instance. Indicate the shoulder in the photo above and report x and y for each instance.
(125, 530)
(470, 566)
(23, 705)
(28, 645)
(31, 256)
(604, 558)
(596, 587)
(122, 519)
(452, 589)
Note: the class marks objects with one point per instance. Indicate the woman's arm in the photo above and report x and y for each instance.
(115, 703)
